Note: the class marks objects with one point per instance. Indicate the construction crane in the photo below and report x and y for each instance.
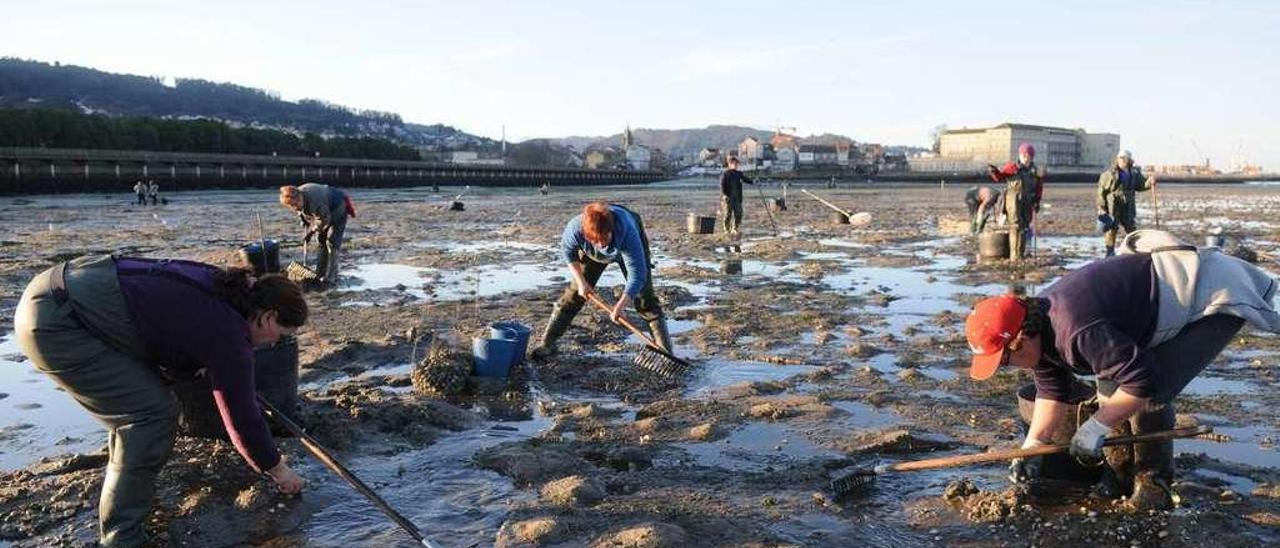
(1201, 153)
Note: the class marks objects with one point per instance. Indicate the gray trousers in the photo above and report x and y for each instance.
(99, 366)
(732, 213)
(330, 243)
(1180, 360)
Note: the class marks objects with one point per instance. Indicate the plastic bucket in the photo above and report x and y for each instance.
(263, 259)
(1061, 466)
(275, 374)
(1215, 240)
(699, 224)
(512, 329)
(493, 357)
(993, 244)
(777, 205)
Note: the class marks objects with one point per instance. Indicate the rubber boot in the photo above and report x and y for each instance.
(658, 328)
(1016, 246)
(137, 453)
(1111, 251)
(1153, 462)
(556, 327)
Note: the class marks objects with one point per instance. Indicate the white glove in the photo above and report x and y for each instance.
(1088, 439)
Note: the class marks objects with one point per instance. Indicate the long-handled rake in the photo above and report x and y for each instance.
(765, 202)
(651, 357)
(856, 219)
(859, 478)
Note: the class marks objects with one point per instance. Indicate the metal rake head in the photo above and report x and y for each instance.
(650, 359)
(852, 481)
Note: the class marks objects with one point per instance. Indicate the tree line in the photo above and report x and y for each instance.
(51, 128)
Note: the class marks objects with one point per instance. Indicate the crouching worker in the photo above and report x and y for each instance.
(982, 201)
(1136, 323)
(603, 234)
(103, 326)
(323, 211)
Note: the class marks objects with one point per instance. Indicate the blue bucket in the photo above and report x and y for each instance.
(514, 330)
(493, 357)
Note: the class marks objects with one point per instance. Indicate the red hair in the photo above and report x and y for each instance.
(597, 221)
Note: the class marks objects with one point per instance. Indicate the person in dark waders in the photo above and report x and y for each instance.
(982, 201)
(1136, 323)
(1117, 200)
(114, 331)
(1024, 186)
(731, 196)
(601, 235)
(323, 210)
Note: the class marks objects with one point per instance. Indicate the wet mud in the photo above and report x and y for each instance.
(823, 350)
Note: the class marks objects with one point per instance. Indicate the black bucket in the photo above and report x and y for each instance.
(777, 205)
(731, 267)
(262, 256)
(839, 218)
(275, 375)
(456, 206)
(699, 224)
(1062, 466)
(993, 244)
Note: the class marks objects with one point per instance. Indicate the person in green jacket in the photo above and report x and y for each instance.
(1116, 203)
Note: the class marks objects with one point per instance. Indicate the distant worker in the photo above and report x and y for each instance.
(601, 235)
(323, 210)
(982, 201)
(1024, 186)
(731, 195)
(153, 192)
(115, 332)
(1143, 327)
(1116, 198)
(140, 190)
(545, 189)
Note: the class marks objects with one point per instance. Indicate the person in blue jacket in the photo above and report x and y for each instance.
(601, 235)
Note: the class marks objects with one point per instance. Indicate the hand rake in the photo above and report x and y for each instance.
(860, 478)
(651, 357)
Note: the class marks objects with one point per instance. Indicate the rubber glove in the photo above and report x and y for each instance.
(1026, 469)
(1088, 439)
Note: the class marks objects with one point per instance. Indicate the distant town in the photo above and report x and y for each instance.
(959, 152)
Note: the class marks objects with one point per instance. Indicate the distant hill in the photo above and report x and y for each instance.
(33, 84)
(687, 142)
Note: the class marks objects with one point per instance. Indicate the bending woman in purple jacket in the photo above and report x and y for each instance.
(111, 330)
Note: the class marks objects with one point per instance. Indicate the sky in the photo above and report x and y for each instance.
(1178, 80)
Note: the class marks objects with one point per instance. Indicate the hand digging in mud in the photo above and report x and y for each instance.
(288, 481)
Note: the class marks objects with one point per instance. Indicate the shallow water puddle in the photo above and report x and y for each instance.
(755, 447)
(37, 419)
(862, 415)
(437, 488)
(1239, 484)
(715, 374)
(1205, 385)
(1246, 446)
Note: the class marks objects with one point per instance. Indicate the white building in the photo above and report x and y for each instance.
(785, 159)
(973, 149)
(639, 157)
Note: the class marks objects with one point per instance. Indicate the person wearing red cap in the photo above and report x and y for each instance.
(1024, 186)
(1106, 320)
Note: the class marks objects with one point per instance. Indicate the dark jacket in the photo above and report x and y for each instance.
(1101, 318)
(731, 184)
(1116, 195)
(187, 328)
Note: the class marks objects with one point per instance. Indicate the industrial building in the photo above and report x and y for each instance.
(967, 150)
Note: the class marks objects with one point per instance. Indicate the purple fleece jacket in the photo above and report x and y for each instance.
(186, 327)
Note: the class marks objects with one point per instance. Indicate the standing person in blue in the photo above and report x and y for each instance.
(601, 235)
(1024, 186)
(323, 210)
(731, 195)
(1145, 323)
(1117, 202)
(113, 332)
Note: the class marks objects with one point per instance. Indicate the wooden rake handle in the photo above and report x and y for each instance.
(623, 321)
(826, 203)
(1010, 454)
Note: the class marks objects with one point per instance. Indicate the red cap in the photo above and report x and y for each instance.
(993, 323)
(1028, 149)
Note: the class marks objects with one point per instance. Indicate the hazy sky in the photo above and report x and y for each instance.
(1167, 76)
